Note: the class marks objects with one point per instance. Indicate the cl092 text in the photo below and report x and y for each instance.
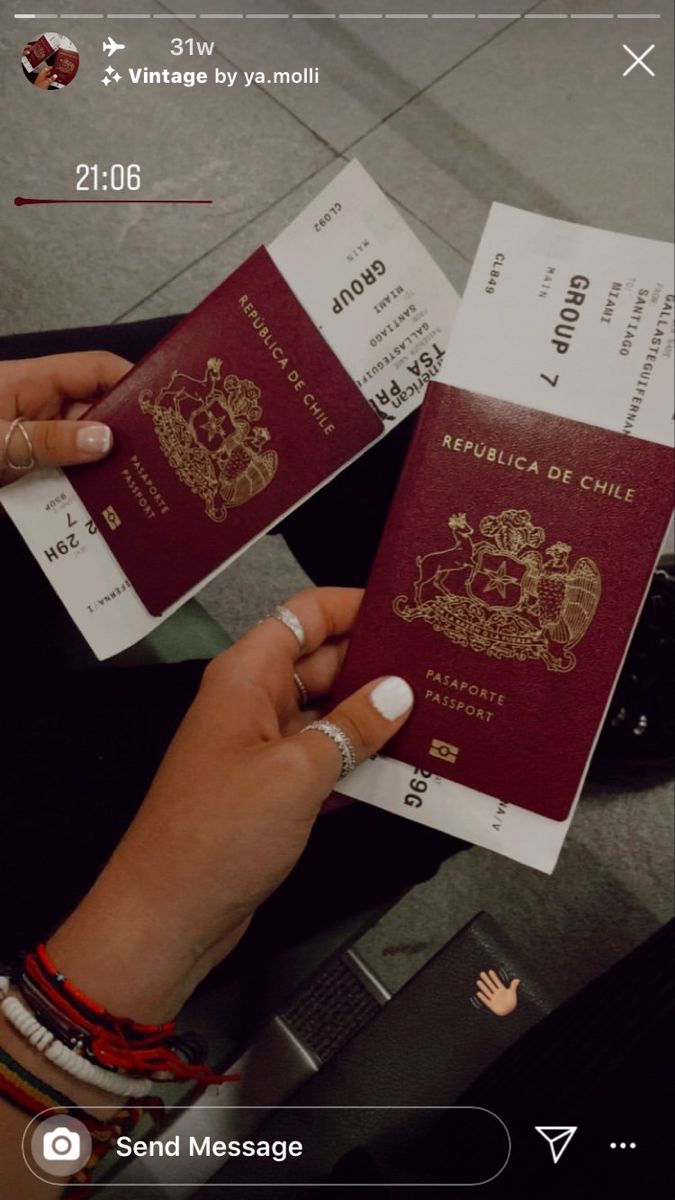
(327, 216)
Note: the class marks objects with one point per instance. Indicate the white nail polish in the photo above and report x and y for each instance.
(94, 439)
(392, 697)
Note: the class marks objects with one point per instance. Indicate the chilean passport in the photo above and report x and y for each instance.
(509, 577)
(66, 65)
(40, 50)
(319, 344)
(224, 426)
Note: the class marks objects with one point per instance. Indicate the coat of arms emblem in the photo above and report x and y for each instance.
(503, 594)
(208, 430)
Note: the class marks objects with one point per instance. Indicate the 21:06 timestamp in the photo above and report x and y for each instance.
(119, 177)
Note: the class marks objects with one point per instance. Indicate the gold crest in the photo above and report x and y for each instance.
(207, 430)
(504, 596)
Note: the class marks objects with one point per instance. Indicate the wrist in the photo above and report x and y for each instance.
(122, 947)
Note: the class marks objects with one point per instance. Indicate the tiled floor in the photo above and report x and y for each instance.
(448, 114)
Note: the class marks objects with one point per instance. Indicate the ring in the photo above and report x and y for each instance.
(291, 622)
(302, 690)
(343, 743)
(17, 423)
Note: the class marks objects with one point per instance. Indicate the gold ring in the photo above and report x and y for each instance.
(17, 423)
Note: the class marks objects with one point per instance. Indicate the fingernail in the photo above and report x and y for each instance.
(94, 439)
(392, 697)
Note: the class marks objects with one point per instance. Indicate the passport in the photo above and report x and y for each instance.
(383, 308)
(239, 413)
(39, 51)
(511, 571)
(66, 64)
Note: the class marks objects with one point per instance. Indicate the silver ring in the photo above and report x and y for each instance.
(17, 423)
(343, 743)
(302, 690)
(291, 622)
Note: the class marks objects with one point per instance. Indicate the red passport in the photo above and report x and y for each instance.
(511, 572)
(39, 51)
(66, 65)
(221, 429)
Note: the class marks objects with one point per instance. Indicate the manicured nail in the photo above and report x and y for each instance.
(94, 439)
(392, 697)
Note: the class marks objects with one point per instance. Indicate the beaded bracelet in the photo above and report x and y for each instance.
(62, 1056)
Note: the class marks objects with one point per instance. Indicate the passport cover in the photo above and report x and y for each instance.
(39, 51)
(235, 416)
(511, 571)
(66, 65)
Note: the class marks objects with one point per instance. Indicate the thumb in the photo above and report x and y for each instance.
(60, 443)
(368, 718)
(514, 985)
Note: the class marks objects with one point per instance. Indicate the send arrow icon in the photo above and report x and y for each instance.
(558, 1138)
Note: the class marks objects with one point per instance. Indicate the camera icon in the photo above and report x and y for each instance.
(61, 1145)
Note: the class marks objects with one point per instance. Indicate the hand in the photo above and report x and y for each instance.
(492, 993)
(51, 393)
(228, 814)
(44, 77)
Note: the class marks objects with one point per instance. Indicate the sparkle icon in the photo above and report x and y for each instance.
(111, 76)
(558, 1138)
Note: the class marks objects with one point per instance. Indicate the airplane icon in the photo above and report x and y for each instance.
(110, 47)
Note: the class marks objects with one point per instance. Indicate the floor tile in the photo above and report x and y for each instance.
(77, 264)
(368, 66)
(571, 138)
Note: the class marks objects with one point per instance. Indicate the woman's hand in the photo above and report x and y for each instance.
(44, 77)
(228, 813)
(50, 394)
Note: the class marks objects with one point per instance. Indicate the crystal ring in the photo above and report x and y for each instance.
(343, 743)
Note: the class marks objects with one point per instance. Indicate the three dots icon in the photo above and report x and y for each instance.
(623, 1145)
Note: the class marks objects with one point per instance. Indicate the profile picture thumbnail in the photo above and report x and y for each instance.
(51, 62)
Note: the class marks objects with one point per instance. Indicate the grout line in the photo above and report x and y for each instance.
(423, 90)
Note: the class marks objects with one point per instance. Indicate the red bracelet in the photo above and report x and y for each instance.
(115, 1043)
